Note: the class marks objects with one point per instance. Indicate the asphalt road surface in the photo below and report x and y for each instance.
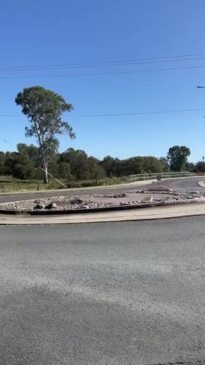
(184, 184)
(181, 185)
(103, 294)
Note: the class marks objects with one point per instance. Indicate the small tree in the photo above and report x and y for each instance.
(177, 157)
(200, 166)
(44, 110)
(165, 164)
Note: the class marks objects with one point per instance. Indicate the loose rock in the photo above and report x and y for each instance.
(85, 207)
(76, 201)
(39, 206)
(52, 205)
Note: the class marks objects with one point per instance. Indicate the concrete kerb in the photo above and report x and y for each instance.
(165, 212)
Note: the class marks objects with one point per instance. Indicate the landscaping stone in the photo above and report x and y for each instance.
(76, 201)
(123, 195)
(39, 206)
(148, 199)
(52, 205)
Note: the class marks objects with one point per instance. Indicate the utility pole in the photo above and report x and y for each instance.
(201, 87)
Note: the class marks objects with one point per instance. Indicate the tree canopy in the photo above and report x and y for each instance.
(44, 109)
(177, 157)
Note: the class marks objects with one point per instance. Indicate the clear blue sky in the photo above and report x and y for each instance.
(95, 33)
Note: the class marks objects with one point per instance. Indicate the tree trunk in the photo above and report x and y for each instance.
(45, 175)
(45, 165)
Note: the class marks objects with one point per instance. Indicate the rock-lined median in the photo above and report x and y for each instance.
(136, 198)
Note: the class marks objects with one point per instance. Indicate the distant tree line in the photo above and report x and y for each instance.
(25, 163)
(76, 165)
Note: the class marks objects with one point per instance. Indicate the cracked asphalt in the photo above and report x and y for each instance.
(107, 294)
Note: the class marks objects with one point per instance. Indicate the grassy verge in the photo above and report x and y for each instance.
(8, 184)
(15, 186)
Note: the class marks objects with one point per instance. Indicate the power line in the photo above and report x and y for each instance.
(126, 114)
(181, 58)
(139, 61)
(100, 73)
(144, 113)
